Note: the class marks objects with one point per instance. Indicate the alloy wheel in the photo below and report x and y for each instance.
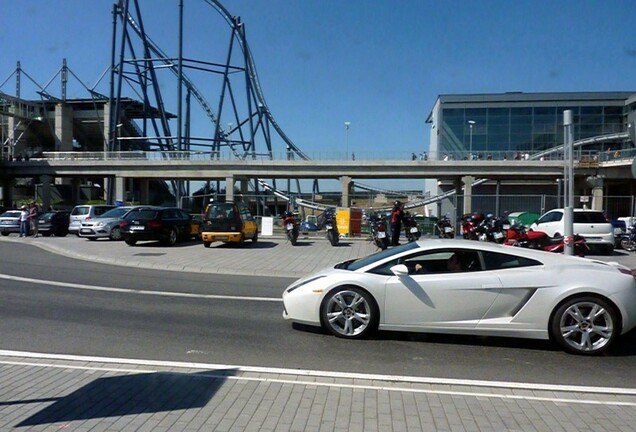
(350, 313)
(585, 326)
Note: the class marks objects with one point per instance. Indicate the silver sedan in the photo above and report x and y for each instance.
(473, 288)
(104, 226)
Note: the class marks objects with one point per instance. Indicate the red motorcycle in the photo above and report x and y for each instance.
(469, 224)
(290, 225)
(519, 236)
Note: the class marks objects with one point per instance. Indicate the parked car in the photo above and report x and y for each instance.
(591, 224)
(54, 223)
(10, 222)
(82, 213)
(165, 224)
(490, 290)
(228, 222)
(105, 225)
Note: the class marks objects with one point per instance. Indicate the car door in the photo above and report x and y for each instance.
(249, 224)
(437, 297)
(521, 278)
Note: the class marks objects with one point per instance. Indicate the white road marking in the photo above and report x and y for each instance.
(376, 378)
(136, 291)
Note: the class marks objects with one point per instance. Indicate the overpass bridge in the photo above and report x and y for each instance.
(201, 166)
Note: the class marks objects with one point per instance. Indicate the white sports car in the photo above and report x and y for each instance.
(476, 288)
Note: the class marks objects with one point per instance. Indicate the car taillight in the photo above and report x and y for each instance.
(154, 224)
(123, 224)
(627, 271)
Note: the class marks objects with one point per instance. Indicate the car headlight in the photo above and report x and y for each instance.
(304, 282)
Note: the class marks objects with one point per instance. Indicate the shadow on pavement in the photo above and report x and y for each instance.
(132, 394)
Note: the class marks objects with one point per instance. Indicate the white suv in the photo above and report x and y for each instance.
(591, 224)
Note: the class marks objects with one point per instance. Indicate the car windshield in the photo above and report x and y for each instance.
(363, 262)
(10, 214)
(80, 211)
(219, 210)
(142, 214)
(115, 213)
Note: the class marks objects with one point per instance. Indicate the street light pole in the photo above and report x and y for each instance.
(347, 124)
(471, 123)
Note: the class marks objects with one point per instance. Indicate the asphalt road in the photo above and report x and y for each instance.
(175, 316)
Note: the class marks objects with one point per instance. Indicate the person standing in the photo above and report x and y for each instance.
(397, 214)
(24, 221)
(33, 219)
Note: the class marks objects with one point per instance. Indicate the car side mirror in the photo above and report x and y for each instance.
(400, 270)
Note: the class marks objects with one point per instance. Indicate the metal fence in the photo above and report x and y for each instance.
(613, 206)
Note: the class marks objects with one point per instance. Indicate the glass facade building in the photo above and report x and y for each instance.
(503, 124)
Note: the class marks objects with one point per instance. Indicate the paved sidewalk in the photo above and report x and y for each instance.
(40, 392)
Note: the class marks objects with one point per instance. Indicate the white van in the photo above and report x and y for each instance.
(591, 224)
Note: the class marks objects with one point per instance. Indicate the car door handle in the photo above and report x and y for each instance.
(491, 286)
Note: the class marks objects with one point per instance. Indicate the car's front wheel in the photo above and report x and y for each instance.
(585, 325)
(131, 242)
(349, 312)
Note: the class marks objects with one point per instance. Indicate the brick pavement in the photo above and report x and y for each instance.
(50, 393)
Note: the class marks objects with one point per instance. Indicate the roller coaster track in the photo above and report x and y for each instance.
(250, 66)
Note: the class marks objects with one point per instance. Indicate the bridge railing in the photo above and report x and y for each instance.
(580, 156)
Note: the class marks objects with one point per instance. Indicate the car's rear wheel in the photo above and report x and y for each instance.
(131, 242)
(207, 244)
(5, 233)
(61, 234)
(241, 241)
(349, 312)
(255, 237)
(115, 233)
(92, 238)
(172, 237)
(46, 234)
(585, 325)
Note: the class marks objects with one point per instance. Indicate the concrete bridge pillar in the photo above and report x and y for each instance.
(63, 128)
(229, 188)
(120, 188)
(468, 193)
(144, 191)
(346, 183)
(596, 182)
(7, 192)
(46, 191)
(75, 190)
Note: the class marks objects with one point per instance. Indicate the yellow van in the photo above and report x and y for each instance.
(228, 222)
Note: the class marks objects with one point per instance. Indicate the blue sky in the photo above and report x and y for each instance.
(378, 64)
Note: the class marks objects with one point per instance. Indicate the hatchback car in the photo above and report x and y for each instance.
(82, 213)
(591, 224)
(54, 223)
(105, 225)
(10, 222)
(165, 224)
(228, 222)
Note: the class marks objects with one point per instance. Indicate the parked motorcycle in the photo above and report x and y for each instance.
(469, 224)
(519, 236)
(411, 230)
(331, 227)
(290, 224)
(378, 229)
(628, 240)
(445, 228)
